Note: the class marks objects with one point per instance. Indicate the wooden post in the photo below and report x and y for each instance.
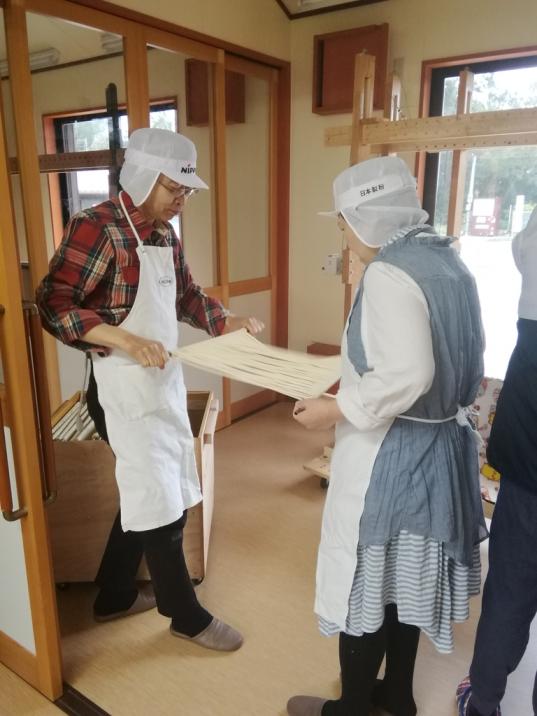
(458, 170)
(392, 100)
(364, 81)
(136, 77)
(217, 114)
(21, 93)
(41, 669)
(272, 200)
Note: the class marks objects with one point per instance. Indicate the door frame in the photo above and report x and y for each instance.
(43, 670)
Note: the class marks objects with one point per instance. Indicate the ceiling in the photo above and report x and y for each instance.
(304, 8)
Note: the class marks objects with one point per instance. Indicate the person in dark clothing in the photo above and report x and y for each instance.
(510, 594)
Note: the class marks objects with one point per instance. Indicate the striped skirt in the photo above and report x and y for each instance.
(431, 590)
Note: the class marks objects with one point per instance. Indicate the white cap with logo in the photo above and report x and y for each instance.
(151, 152)
(377, 198)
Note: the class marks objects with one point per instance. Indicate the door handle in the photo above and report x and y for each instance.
(6, 498)
(34, 333)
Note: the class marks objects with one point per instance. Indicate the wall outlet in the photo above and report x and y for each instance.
(332, 264)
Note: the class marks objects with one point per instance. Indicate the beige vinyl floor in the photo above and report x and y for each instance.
(260, 578)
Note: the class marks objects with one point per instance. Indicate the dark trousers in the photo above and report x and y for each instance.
(163, 549)
(360, 659)
(509, 597)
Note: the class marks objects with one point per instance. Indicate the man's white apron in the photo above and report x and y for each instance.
(145, 408)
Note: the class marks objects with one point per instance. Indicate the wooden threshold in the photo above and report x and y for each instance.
(74, 703)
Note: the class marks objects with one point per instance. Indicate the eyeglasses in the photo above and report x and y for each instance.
(181, 192)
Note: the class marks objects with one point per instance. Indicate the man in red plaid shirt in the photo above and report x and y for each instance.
(117, 287)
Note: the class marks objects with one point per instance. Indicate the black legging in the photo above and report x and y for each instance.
(360, 659)
(163, 549)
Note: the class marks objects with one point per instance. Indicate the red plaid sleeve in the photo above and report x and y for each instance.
(76, 269)
(193, 305)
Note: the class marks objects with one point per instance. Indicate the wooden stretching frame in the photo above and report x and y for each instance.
(508, 127)
(368, 136)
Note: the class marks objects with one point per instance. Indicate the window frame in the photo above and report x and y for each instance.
(434, 74)
(58, 182)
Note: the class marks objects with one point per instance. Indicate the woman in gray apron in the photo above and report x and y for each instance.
(401, 528)
(118, 285)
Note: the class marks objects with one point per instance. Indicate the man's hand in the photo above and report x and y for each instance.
(318, 413)
(146, 352)
(235, 323)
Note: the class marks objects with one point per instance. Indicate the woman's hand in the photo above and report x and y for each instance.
(318, 413)
(235, 323)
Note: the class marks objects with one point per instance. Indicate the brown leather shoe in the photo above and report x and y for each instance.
(305, 706)
(217, 635)
(144, 601)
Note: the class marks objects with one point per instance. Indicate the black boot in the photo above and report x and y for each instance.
(394, 693)
(360, 659)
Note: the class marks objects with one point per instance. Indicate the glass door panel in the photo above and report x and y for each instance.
(248, 174)
(71, 115)
(187, 81)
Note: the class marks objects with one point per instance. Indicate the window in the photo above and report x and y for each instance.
(500, 191)
(91, 132)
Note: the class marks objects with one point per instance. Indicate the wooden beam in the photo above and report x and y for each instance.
(246, 67)
(21, 94)
(251, 285)
(436, 134)
(465, 126)
(136, 77)
(71, 161)
(174, 43)
(458, 168)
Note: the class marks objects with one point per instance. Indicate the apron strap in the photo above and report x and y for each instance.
(140, 242)
(124, 208)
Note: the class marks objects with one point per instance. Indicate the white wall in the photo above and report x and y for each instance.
(257, 24)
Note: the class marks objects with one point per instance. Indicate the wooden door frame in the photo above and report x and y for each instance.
(42, 669)
(138, 30)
